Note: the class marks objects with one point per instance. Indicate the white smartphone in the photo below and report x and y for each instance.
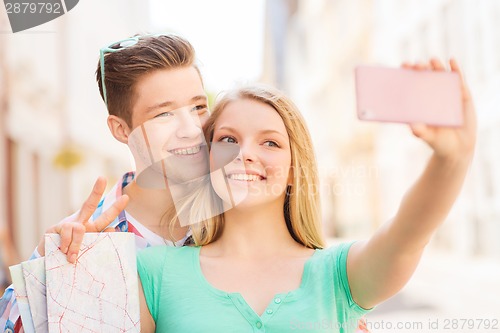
(402, 95)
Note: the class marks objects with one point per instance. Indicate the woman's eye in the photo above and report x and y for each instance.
(227, 139)
(271, 144)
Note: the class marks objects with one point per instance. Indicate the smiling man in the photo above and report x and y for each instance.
(157, 106)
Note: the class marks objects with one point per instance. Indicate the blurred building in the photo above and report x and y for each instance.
(313, 48)
(53, 133)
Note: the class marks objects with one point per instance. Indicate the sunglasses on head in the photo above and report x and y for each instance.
(115, 47)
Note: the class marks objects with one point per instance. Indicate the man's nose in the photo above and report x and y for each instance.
(189, 126)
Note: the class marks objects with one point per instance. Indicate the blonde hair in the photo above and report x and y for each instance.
(302, 202)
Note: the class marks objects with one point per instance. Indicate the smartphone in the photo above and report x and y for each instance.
(403, 95)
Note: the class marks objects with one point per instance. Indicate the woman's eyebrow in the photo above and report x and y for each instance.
(264, 131)
(272, 131)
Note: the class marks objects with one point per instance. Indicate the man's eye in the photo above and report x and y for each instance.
(164, 114)
(200, 109)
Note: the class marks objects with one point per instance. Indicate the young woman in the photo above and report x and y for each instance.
(260, 266)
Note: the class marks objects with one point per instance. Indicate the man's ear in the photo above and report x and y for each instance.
(119, 128)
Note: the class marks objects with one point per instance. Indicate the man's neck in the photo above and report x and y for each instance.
(153, 208)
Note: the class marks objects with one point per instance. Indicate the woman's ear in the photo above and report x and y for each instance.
(119, 128)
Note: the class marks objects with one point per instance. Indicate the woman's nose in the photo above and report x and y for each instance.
(247, 153)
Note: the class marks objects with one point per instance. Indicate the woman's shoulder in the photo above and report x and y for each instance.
(336, 248)
(329, 265)
(334, 254)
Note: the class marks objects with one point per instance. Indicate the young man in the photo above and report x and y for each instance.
(157, 106)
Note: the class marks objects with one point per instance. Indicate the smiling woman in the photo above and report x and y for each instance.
(261, 172)
(261, 265)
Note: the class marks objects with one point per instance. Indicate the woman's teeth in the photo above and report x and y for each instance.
(243, 176)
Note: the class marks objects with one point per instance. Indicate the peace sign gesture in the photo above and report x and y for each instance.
(72, 228)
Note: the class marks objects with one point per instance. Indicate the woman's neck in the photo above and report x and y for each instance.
(255, 232)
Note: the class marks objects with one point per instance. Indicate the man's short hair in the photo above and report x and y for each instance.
(125, 67)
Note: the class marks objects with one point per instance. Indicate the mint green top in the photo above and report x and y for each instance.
(180, 299)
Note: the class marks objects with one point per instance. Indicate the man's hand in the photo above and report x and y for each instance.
(72, 228)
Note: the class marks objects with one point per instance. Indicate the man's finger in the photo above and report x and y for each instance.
(90, 205)
(111, 213)
(78, 231)
(65, 232)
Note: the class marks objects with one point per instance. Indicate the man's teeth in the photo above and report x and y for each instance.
(244, 176)
(187, 151)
